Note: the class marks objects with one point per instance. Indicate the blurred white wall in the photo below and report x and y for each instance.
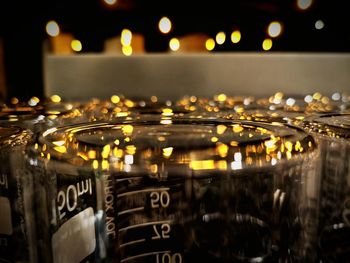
(170, 76)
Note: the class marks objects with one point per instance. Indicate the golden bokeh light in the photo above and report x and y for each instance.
(267, 44)
(127, 50)
(274, 29)
(304, 4)
(55, 98)
(174, 44)
(110, 2)
(210, 44)
(236, 36)
(115, 99)
(319, 24)
(164, 25)
(76, 45)
(52, 28)
(220, 38)
(126, 37)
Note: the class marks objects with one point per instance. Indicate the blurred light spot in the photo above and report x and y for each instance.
(55, 98)
(115, 99)
(33, 101)
(237, 128)
(319, 24)
(304, 4)
(274, 29)
(174, 44)
(166, 122)
(210, 44)
(222, 149)
(279, 95)
(110, 2)
(202, 165)
(60, 149)
(220, 129)
(214, 139)
(317, 96)
(52, 28)
(222, 97)
(154, 99)
(127, 129)
(308, 98)
(167, 151)
(325, 100)
(129, 159)
(131, 149)
(58, 143)
(167, 112)
(220, 38)
(105, 165)
(236, 36)
(127, 50)
(14, 100)
(95, 164)
(236, 165)
(290, 101)
(126, 37)
(267, 44)
(238, 157)
(273, 161)
(164, 25)
(76, 45)
(336, 96)
(154, 168)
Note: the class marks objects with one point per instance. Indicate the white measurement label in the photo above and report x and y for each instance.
(5, 217)
(68, 200)
(75, 239)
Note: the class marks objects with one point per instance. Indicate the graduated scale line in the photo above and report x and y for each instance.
(129, 178)
(143, 191)
(131, 210)
(144, 255)
(144, 224)
(132, 242)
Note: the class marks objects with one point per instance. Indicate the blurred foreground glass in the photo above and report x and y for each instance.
(332, 188)
(17, 240)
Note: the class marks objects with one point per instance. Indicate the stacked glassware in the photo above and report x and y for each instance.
(222, 179)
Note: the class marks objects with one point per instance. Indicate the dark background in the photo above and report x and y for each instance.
(22, 28)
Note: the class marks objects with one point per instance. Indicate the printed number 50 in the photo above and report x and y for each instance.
(160, 198)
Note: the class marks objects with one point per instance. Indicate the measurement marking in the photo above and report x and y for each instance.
(144, 255)
(144, 224)
(132, 242)
(143, 191)
(129, 178)
(131, 210)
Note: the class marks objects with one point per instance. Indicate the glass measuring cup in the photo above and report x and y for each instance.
(170, 190)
